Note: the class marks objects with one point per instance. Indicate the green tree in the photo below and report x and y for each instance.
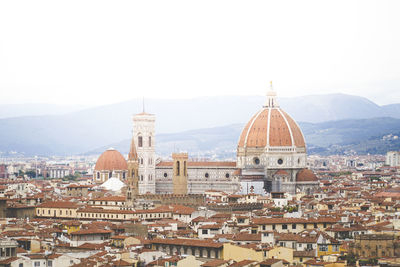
(31, 174)
(351, 259)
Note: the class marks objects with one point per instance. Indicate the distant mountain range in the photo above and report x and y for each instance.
(374, 136)
(33, 109)
(89, 129)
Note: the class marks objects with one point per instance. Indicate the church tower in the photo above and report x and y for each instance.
(180, 176)
(133, 175)
(144, 138)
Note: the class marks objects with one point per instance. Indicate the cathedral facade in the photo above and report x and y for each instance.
(271, 152)
(271, 157)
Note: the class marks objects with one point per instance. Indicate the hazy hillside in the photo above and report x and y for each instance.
(320, 108)
(199, 143)
(392, 110)
(89, 129)
(30, 109)
(362, 136)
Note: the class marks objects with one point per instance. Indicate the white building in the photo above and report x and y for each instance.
(271, 152)
(58, 171)
(144, 136)
(202, 176)
(393, 158)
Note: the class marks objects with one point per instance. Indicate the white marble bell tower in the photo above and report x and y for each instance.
(144, 136)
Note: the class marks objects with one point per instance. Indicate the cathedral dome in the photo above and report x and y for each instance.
(111, 160)
(306, 175)
(271, 127)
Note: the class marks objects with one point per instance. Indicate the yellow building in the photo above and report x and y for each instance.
(237, 253)
(71, 226)
(57, 209)
(281, 253)
(326, 245)
(179, 177)
(121, 241)
(189, 261)
(293, 225)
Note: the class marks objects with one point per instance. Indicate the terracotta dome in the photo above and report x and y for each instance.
(271, 126)
(306, 175)
(111, 160)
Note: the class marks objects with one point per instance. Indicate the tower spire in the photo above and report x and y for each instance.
(132, 152)
(271, 98)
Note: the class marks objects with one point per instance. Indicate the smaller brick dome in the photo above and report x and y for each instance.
(306, 175)
(111, 160)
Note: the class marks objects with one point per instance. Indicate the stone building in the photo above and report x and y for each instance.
(393, 158)
(180, 174)
(110, 164)
(78, 190)
(144, 139)
(375, 246)
(133, 175)
(271, 157)
(201, 176)
(58, 171)
(3, 171)
(272, 152)
(8, 248)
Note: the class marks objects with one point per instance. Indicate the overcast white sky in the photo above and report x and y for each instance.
(99, 52)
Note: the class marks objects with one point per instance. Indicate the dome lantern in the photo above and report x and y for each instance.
(271, 98)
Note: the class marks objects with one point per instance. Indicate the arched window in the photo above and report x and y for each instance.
(140, 141)
(149, 141)
(110, 175)
(98, 175)
(178, 168)
(184, 168)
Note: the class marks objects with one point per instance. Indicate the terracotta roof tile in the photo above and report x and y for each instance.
(283, 130)
(111, 160)
(187, 242)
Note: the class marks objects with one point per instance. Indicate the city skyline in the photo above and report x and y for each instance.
(208, 133)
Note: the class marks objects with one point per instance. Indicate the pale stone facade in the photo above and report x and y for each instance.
(58, 171)
(180, 174)
(144, 136)
(271, 154)
(272, 151)
(202, 176)
(102, 176)
(393, 158)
